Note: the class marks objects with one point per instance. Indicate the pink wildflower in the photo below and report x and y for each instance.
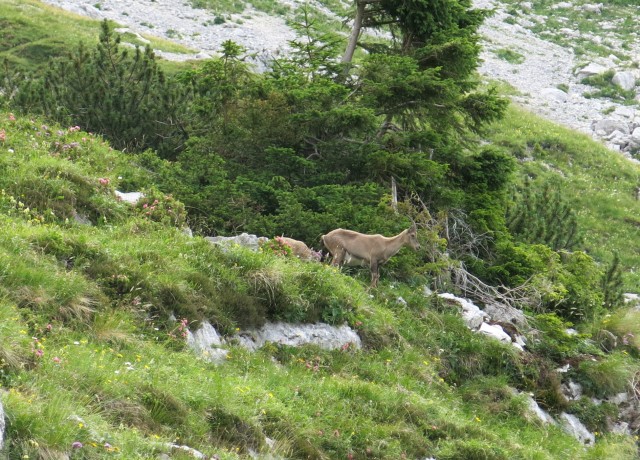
(3, 135)
(12, 117)
(76, 445)
(104, 181)
(56, 360)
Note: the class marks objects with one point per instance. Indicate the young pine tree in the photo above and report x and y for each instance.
(124, 97)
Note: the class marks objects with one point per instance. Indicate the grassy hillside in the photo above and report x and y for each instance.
(90, 356)
(600, 185)
(33, 33)
(95, 295)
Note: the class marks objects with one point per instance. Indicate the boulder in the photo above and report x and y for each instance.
(607, 126)
(590, 70)
(593, 8)
(471, 314)
(320, 334)
(502, 313)
(249, 241)
(575, 428)
(540, 413)
(625, 80)
(206, 343)
(495, 331)
(129, 197)
(572, 390)
(555, 94)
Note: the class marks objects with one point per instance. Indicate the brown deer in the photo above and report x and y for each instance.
(299, 249)
(352, 248)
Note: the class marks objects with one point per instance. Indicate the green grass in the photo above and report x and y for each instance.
(599, 183)
(33, 33)
(88, 353)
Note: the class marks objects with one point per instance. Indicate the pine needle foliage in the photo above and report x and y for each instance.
(109, 91)
(541, 215)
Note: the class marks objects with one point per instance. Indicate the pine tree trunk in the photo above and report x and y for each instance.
(355, 32)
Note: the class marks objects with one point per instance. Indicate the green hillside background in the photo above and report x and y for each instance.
(97, 293)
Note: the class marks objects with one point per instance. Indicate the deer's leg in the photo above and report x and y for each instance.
(338, 257)
(375, 273)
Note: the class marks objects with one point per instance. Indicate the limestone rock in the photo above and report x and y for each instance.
(320, 334)
(471, 314)
(206, 343)
(591, 70)
(575, 428)
(502, 313)
(607, 126)
(625, 80)
(555, 94)
(495, 331)
(129, 197)
(249, 241)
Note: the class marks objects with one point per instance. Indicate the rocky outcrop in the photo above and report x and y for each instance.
(497, 321)
(320, 334)
(207, 344)
(575, 428)
(248, 241)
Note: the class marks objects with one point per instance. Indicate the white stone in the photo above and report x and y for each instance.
(472, 316)
(607, 126)
(543, 415)
(206, 343)
(495, 331)
(555, 94)
(625, 80)
(591, 70)
(249, 241)
(593, 8)
(502, 313)
(575, 428)
(320, 334)
(618, 399)
(129, 197)
(621, 428)
(572, 390)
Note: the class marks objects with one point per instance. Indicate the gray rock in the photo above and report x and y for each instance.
(621, 428)
(607, 126)
(249, 241)
(320, 334)
(593, 8)
(502, 313)
(591, 70)
(206, 343)
(495, 331)
(129, 197)
(540, 413)
(575, 428)
(555, 94)
(472, 316)
(625, 80)
(572, 390)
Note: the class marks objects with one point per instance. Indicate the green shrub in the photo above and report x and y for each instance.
(596, 417)
(607, 376)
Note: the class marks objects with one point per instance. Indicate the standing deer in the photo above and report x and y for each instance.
(352, 248)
